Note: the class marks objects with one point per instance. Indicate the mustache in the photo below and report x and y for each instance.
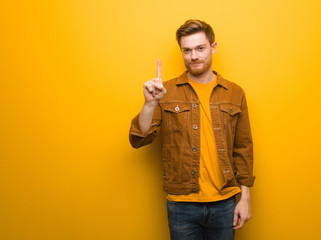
(195, 62)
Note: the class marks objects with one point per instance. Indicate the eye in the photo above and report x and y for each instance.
(186, 50)
(201, 49)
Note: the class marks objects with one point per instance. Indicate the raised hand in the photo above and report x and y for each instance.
(154, 89)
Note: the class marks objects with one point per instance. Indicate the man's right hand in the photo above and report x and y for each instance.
(154, 89)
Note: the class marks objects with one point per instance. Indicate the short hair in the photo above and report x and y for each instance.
(194, 26)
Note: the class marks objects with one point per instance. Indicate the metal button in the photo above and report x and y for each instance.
(226, 171)
(195, 127)
(194, 105)
(217, 128)
(231, 110)
(194, 149)
(177, 108)
(193, 172)
(193, 189)
(221, 149)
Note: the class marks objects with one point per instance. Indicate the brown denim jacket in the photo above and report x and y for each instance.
(178, 116)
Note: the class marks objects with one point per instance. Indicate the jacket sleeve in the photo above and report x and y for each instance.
(243, 148)
(137, 138)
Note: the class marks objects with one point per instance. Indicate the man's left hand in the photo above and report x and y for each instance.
(242, 212)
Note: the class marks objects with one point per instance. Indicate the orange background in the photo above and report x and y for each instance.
(71, 76)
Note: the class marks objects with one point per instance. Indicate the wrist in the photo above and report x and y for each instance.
(245, 193)
(151, 104)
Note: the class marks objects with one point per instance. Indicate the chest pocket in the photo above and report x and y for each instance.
(176, 115)
(230, 113)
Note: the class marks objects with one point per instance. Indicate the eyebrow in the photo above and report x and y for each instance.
(202, 45)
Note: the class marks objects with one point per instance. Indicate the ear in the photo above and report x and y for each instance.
(213, 47)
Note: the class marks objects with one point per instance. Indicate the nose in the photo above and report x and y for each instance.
(194, 55)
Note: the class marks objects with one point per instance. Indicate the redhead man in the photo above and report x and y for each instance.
(207, 150)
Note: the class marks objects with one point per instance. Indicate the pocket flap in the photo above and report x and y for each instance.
(230, 108)
(177, 107)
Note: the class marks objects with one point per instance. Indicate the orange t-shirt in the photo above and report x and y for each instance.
(211, 177)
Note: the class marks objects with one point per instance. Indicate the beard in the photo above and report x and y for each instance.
(200, 67)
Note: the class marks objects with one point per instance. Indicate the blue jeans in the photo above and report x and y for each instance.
(197, 221)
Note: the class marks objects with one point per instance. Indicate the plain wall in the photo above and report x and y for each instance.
(71, 77)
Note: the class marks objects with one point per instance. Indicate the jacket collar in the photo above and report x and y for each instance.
(183, 79)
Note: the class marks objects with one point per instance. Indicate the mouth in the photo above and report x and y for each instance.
(195, 63)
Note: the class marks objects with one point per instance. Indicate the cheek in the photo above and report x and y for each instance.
(207, 56)
(186, 58)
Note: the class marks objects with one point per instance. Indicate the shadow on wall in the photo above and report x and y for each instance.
(148, 160)
(151, 163)
(152, 158)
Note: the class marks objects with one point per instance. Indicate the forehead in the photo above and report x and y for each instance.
(194, 40)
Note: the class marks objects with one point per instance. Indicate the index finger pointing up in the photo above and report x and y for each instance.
(159, 69)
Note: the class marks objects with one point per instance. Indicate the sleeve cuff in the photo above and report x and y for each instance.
(246, 180)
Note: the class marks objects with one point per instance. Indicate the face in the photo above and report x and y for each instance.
(197, 53)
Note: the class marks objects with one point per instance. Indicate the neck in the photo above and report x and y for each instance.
(203, 78)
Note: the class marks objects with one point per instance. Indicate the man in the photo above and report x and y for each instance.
(207, 151)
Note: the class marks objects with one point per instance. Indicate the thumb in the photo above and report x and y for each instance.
(235, 218)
